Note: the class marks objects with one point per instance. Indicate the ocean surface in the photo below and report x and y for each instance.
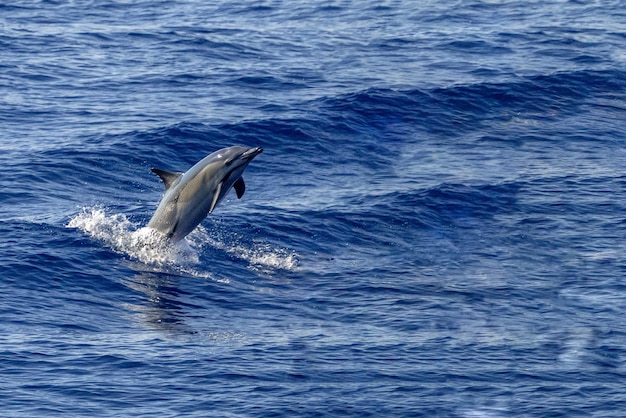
(436, 226)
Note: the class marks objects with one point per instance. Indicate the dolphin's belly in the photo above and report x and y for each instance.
(164, 219)
(176, 216)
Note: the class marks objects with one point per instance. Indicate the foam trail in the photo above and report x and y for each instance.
(259, 256)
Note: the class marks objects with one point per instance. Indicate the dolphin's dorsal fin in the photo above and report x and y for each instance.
(240, 187)
(168, 177)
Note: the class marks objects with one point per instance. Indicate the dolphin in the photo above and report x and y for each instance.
(191, 196)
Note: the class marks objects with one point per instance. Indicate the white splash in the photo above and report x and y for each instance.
(150, 247)
(143, 244)
(264, 256)
(258, 255)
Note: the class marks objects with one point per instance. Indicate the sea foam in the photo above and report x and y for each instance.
(149, 246)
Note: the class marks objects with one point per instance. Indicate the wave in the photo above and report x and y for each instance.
(371, 128)
(465, 106)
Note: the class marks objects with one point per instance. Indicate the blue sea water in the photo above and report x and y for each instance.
(437, 225)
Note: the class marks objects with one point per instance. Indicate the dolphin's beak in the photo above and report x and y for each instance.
(251, 153)
(244, 157)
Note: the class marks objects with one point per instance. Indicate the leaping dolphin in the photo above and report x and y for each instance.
(189, 197)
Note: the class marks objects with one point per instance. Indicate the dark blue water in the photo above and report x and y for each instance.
(437, 225)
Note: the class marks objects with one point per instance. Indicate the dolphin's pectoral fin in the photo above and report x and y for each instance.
(172, 230)
(240, 187)
(168, 177)
(215, 196)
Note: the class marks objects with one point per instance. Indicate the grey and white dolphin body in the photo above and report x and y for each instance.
(189, 197)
